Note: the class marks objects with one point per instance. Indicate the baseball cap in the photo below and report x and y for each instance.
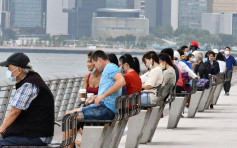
(17, 59)
(194, 43)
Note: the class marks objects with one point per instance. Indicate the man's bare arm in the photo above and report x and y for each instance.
(119, 83)
(10, 118)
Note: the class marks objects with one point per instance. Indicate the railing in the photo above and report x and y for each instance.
(64, 87)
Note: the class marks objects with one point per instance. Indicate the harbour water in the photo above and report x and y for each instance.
(48, 63)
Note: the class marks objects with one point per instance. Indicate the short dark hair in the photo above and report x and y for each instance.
(168, 51)
(151, 55)
(183, 47)
(99, 54)
(113, 58)
(181, 52)
(90, 54)
(220, 57)
(228, 48)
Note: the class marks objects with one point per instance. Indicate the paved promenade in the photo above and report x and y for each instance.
(215, 128)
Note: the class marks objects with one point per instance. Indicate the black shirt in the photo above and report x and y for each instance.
(201, 70)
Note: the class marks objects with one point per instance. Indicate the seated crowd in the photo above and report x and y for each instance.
(108, 78)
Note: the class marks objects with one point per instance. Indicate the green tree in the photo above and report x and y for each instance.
(164, 31)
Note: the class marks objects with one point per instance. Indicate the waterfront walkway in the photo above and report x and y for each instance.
(215, 128)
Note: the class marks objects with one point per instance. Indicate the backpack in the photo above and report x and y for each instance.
(203, 83)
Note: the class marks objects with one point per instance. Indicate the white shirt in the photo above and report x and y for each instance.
(184, 68)
(222, 65)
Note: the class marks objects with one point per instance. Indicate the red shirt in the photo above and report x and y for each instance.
(133, 82)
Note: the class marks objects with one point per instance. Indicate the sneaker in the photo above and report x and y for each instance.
(227, 94)
(211, 106)
(186, 110)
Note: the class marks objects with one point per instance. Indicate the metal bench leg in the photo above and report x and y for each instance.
(177, 107)
(204, 98)
(210, 97)
(116, 134)
(93, 136)
(218, 93)
(194, 102)
(151, 126)
(135, 130)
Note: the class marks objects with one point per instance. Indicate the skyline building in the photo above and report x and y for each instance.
(57, 19)
(162, 12)
(217, 23)
(119, 22)
(190, 13)
(219, 6)
(28, 14)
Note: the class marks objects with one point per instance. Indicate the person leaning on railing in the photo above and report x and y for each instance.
(30, 121)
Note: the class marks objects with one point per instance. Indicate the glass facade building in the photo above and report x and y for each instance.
(80, 19)
(190, 12)
(234, 25)
(27, 13)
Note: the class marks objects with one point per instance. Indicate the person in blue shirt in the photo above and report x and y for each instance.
(110, 87)
(230, 65)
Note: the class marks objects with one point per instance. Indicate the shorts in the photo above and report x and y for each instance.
(100, 112)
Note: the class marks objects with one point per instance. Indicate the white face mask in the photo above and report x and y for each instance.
(227, 52)
(176, 62)
(93, 70)
(9, 75)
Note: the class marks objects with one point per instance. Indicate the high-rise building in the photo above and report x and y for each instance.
(28, 14)
(80, 17)
(5, 14)
(57, 20)
(216, 23)
(162, 12)
(190, 13)
(219, 6)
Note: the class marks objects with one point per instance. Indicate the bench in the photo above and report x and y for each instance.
(220, 83)
(205, 96)
(108, 133)
(148, 118)
(177, 106)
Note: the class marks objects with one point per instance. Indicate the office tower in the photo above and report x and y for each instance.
(80, 17)
(57, 19)
(216, 23)
(28, 14)
(162, 12)
(218, 6)
(190, 12)
(5, 14)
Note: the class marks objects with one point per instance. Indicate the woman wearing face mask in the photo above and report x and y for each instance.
(91, 80)
(212, 65)
(155, 76)
(169, 70)
(213, 69)
(131, 69)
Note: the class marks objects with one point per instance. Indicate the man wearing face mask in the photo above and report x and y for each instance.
(30, 121)
(230, 65)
